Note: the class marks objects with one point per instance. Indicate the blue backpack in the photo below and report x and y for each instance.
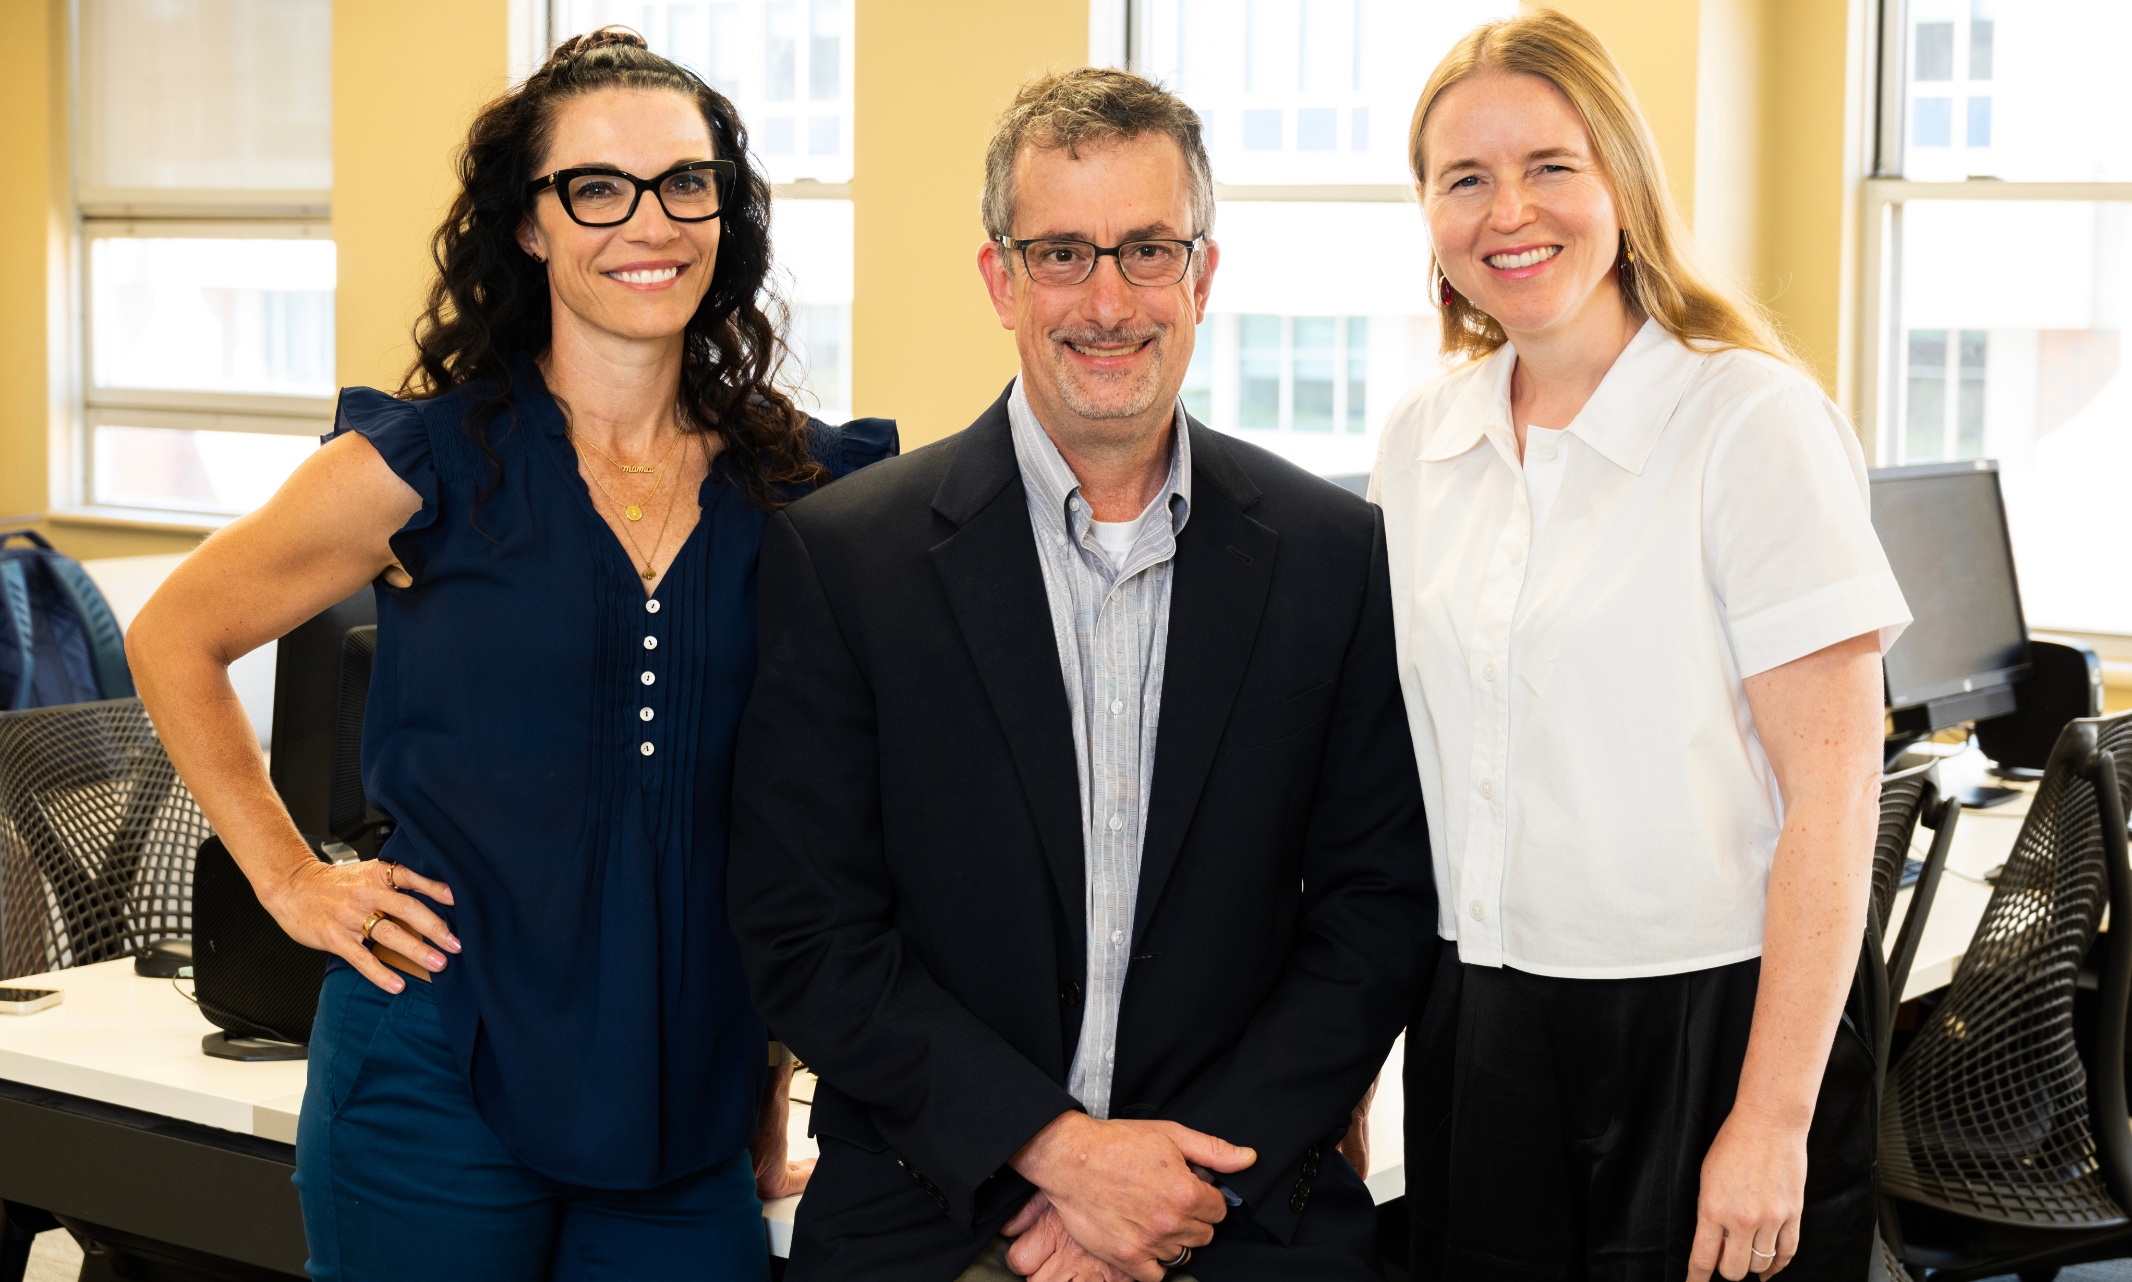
(58, 641)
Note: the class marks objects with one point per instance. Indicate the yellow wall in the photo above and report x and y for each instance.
(401, 106)
(32, 227)
(926, 348)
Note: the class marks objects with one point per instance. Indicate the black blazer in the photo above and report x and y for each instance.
(906, 875)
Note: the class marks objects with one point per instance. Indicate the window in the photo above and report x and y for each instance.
(205, 171)
(1998, 307)
(1305, 106)
(787, 66)
(1990, 94)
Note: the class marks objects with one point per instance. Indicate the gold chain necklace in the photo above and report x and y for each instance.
(635, 511)
(624, 467)
(649, 572)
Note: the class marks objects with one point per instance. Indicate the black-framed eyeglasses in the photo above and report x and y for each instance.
(600, 197)
(1056, 260)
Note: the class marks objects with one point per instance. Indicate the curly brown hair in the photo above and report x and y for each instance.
(489, 305)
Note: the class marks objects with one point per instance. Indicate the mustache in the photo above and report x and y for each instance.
(1090, 336)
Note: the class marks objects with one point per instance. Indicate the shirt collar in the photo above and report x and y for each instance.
(1050, 482)
(1622, 420)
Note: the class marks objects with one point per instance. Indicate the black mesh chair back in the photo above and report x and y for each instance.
(1991, 1113)
(97, 836)
(1902, 800)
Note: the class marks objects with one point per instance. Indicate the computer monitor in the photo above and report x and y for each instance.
(321, 683)
(1944, 528)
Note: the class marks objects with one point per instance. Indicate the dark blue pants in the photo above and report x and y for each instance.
(400, 1178)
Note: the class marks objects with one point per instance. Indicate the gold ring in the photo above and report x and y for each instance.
(390, 884)
(370, 923)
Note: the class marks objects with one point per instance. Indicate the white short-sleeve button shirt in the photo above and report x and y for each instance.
(1599, 804)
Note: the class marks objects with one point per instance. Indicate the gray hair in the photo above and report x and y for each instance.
(1091, 104)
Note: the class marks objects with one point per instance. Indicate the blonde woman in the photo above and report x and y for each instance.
(1640, 610)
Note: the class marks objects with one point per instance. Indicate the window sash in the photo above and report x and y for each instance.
(306, 408)
(1880, 389)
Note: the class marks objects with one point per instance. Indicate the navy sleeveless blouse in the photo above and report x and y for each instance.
(558, 749)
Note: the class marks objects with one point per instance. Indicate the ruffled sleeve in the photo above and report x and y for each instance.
(844, 450)
(399, 431)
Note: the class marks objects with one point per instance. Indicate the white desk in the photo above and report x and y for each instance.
(121, 1039)
(1982, 841)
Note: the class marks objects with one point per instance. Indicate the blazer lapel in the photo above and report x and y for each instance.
(1223, 571)
(989, 569)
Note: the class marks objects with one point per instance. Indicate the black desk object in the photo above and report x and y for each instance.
(163, 1199)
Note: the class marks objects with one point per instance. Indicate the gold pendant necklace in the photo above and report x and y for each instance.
(635, 512)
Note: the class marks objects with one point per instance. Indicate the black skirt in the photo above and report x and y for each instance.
(1556, 1128)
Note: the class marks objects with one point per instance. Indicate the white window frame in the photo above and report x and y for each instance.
(1883, 387)
(206, 214)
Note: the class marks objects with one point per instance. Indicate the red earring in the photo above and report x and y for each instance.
(1443, 290)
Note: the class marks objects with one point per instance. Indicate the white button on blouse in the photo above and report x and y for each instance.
(1575, 630)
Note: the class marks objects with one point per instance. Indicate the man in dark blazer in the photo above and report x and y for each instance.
(1078, 845)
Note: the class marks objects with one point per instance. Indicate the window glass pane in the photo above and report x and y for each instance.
(1258, 368)
(1992, 87)
(1315, 371)
(812, 239)
(1926, 411)
(221, 95)
(212, 315)
(1289, 88)
(2019, 356)
(786, 64)
(1286, 372)
(187, 471)
(1198, 390)
(1358, 372)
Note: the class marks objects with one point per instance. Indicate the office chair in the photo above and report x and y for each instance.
(2004, 1144)
(1907, 798)
(97, 836)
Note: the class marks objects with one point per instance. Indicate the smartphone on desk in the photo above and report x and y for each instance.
(28, 1001)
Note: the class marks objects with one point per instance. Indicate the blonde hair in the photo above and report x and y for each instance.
(1662, 278)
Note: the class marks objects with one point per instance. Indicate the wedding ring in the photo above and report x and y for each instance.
(1761, 1255)
(1184, 1253)
(370, 923)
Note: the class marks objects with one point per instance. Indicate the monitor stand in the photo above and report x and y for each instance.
(1984, 798)
(251, 1050)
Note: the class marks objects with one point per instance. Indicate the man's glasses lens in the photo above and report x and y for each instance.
(611, 198)
(1069, 262)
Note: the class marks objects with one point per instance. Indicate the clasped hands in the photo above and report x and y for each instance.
(1116, 1200)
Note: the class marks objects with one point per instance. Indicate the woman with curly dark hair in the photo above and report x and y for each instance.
(560, 512)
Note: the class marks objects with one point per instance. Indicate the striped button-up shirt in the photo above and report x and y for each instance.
(1112, 624)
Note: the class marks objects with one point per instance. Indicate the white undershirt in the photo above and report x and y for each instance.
(1116, 538)
(1545, 462)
